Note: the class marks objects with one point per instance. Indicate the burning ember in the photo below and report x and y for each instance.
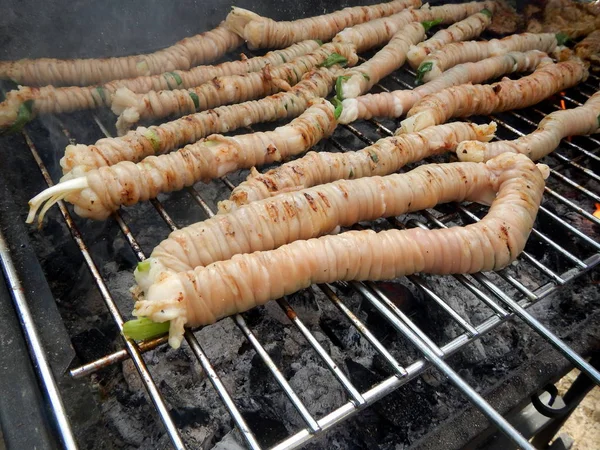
(597, 212)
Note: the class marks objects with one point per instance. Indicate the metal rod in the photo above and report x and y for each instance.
(36, 348)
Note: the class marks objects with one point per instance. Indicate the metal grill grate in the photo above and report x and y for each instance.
(502, 292)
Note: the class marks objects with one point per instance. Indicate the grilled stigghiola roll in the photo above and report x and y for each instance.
(27, 101)
(356, 81)
(378, 32)
(206, 294)
(102, 191)
(225, 90)
(466, 29)
(483, 99)
(396, 103)
(189, 52)
(460, 52)
(589, 48)
(382, 158)
(580, 121)
(262, 32)
(143, 142)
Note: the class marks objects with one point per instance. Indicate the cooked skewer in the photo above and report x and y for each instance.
(466, 29)
(460, 52)
(378, 32)
(589, 48)
(102, 191)
(50, 99)
(580, 121)
(143, 142)
(483, 99)
(397, 103)
(225, 90)
(262, 32)
(358, 80)
(206, 294)
(199, 49)
(382, 158)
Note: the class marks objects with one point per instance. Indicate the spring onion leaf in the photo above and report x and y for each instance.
(561, 38)
(319, 41)
(422, 70)
(366, 77)
(24, 115)
(143, 266)
(351, 174)
(598, 120)
(338, 86)
(211, 143)
(428, 25)
(144, 328)
(177, 78)
(195, 99)
(154, 140)
(283, 58)
(101, 93)
(334, 58)
(486, 11)
(337, 112)
(374, 157)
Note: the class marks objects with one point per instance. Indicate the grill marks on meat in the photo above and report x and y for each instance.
(385, 61)
(466, 29)
(143, 142)
(189, 52)
(469, 100)
(396, 103)
(471, 51)
(545, 139)
(222, 90)
(384, 157)
(262, 32)
(50, 99)
(205, 294)
(378, 32)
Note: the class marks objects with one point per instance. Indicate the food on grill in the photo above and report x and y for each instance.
(396, 103)
(228, 89)
(589, 48)
(469, 100)
(382, 158)
(466, 29)
(460, 52)
(574, 18)
(26, 102)
(262, 32)
(189, 52)
(356, 81)
(142, 142)
(580, 121)
(101, 191)
(378, 32)
(205, 294)
(506, 20)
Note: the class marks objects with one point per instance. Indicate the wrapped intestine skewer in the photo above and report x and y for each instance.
(382, 158)
(262, 32)
(484, 99)
(27, 102)
(158, 139)
(226, 90)
(378, 32)
(206, 294)
(98, 193)
(466, 29)
(580, 121)
(470, 51)
(396, 103)
(189, 52)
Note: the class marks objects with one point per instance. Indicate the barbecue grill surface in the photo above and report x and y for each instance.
(109, 407)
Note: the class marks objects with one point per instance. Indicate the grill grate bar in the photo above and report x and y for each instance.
(130, 346)
(306, 416)
(357, 397)
(432, 354)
